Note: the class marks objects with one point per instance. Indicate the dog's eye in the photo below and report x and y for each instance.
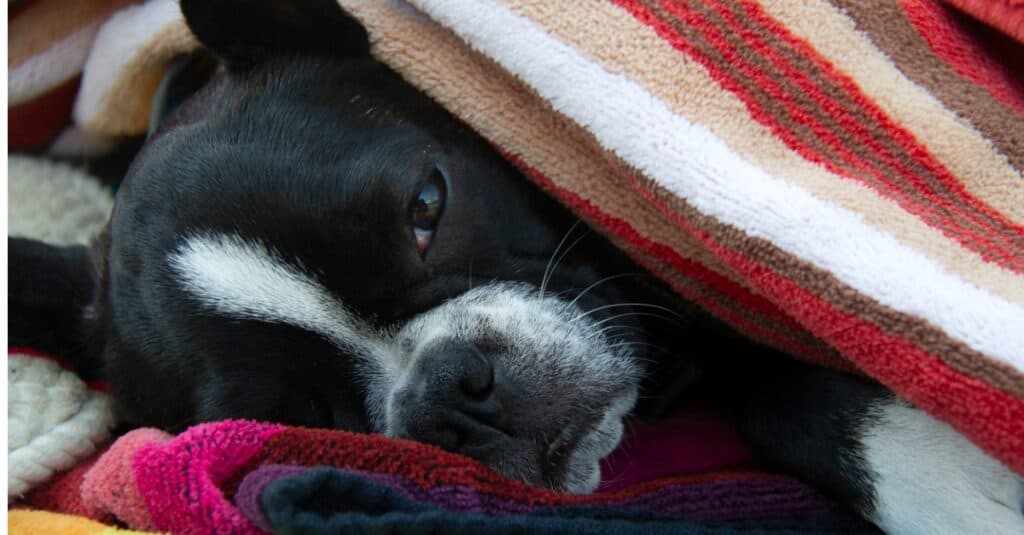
(427, 209)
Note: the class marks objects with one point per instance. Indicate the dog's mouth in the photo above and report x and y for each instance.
(523, 383)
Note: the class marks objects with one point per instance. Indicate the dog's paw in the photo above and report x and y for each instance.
(927, 478)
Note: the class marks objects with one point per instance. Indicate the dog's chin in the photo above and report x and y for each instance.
(561, 385)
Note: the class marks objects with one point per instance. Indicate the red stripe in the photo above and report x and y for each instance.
(712, 281)
(33, 124)
(764, 117)
(1006, 15)
(961, 203)
(990, 417)
(860, 132)
(752, 330)
(962, 50)
(964, 201)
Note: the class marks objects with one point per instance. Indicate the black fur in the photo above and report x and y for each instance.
(307, 143)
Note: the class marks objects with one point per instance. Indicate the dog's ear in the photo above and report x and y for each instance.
(185, 75)
(50, 290)
(242, 32)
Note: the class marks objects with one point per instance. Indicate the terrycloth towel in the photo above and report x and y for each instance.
(839, 179)
(1006, 15)
(328, 500)
(245, 477)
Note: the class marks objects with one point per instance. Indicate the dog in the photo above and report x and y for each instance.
(309, 240)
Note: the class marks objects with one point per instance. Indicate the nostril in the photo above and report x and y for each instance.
(453, 401)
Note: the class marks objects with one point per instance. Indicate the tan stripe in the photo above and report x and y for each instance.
(656, 72)
(124, 107)
(984, 171)
(887, 26)
(510, 115)
(848, 300)
(621, 44)
(504, 111)
(849, 108)
(48, 22)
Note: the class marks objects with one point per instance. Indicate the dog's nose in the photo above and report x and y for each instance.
(453, 401)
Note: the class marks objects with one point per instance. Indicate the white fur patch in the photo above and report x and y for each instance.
(244, 279)
(931, 480)
(561, 355)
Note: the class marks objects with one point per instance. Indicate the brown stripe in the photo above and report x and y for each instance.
(810, 138)
(872, 129)
(498, 106)
(38, 28)
(848, 300)
(685, 285)
(625, 46)
(617, 184)
(887, 26)
(510, 115)
(984, 172)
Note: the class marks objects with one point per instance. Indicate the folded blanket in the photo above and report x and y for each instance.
(246, 477)
(839, 179)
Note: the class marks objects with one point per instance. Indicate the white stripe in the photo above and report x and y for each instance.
(48, 69)
(125, 38)
(245, 279)
(697, 166)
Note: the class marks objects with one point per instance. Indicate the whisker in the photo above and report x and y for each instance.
(625, 314)
(638, 305)
(596, 284)
(563, 255)
(544, 278)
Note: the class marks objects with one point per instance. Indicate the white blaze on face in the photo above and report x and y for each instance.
(245, 279)
(549, 346)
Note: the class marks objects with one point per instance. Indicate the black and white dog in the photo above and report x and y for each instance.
(311, 241)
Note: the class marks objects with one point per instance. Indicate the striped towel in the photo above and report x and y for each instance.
(249, 478)
(839, 179)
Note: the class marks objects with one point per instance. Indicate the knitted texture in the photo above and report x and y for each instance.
(839, 179)
(247, 477)
(54, 421)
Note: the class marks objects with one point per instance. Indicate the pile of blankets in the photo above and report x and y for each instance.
(839, 179)
(249, 477)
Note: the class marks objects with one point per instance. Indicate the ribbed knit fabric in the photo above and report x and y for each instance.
(247, 477)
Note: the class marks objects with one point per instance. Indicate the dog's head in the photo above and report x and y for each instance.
(310, 240)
